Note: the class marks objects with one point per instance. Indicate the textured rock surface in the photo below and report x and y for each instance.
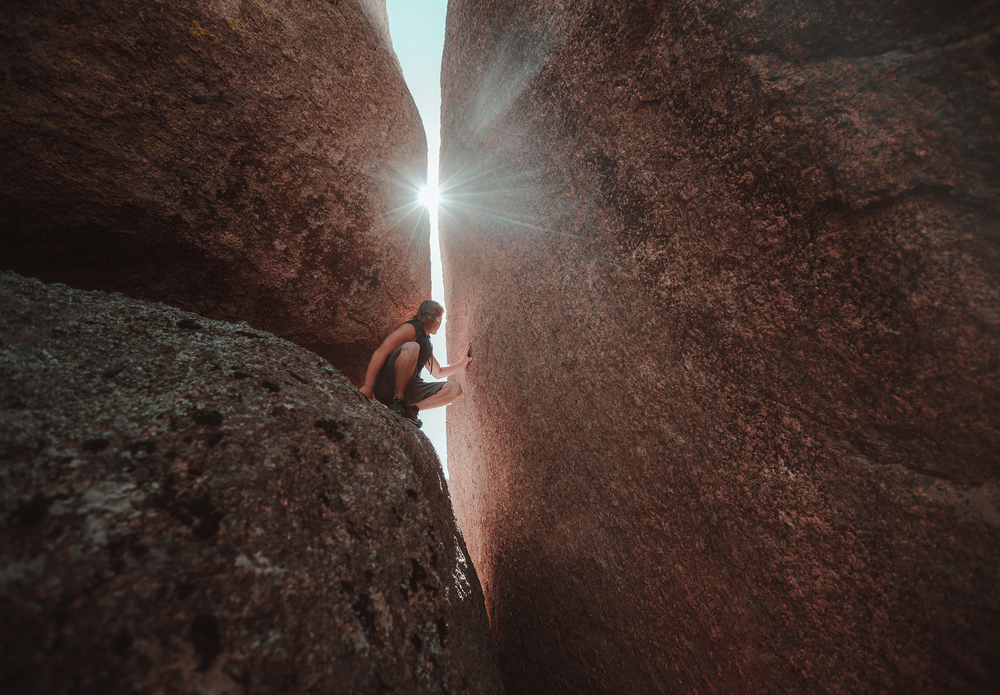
(249, 161)
(189, 505)
(731, 275)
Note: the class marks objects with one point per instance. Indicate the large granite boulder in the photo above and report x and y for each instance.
(248, 160)
(190, 505)
(730, 272)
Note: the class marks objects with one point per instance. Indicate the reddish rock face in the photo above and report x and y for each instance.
(252, 161)
(730, 272)
(191, 505)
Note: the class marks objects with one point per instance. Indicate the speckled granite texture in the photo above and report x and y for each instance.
(251, 161)
(188, 505)
(730, 271)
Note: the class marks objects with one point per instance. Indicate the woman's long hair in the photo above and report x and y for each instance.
(428, 312)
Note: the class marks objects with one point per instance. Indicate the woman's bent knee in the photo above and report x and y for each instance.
(409, 348)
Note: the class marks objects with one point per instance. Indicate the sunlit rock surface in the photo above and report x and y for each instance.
(249, 161)
(189, 505)
(730, 273)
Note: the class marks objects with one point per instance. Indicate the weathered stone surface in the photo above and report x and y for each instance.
(249, 161)
(189, 505)
(730, 271)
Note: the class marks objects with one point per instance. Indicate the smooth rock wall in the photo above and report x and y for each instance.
(189, 505)
(249, 160)
(730, 272)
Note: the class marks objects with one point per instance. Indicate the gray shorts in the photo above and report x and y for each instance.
(416, 388)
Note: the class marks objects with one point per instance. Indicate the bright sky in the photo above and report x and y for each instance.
(417, 29)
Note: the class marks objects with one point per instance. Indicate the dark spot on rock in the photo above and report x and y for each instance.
(209, 516)
(330, 429)
(297, 377)
(113, 371)
(347, 587)
(278, 411)
(417, 643)
(248, 334)
(31, 512)
(118, 546)
(184, 590)
(270, 386)
(13, 403)
(95, 445)
(143, 445)
(324, 499)
(212, 418)
(354, 453)
(237, 672)
(188, 439)
(237, 374)
(362, 609)
(417, 575)
(122, 642)
(411, 493)
(442, 628)
(213, 438)
(207, 639)
(189, 324)
(61, 614)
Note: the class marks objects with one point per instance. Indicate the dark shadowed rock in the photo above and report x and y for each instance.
(180, 529)
(248, 161)
(731, 274)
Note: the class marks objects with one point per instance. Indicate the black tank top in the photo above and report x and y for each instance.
(424, 341)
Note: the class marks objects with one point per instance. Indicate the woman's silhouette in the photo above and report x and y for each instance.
(393, 376)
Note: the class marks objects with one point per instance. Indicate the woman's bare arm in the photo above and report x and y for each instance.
(403, 334)
(440, 372)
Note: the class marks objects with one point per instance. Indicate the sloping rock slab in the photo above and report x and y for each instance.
(252, 161)
(189, 505)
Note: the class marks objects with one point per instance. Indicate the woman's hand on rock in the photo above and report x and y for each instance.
(369, 391)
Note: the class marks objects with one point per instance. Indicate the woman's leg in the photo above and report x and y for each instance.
(448, 392)
(406, 366)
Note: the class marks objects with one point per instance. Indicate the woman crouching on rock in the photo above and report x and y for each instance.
(393, 376)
